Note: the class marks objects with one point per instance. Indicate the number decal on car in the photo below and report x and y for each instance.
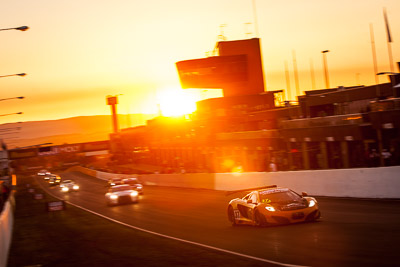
(237, 214)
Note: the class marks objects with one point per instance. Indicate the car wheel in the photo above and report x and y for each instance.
(231, 216)
(259, 219)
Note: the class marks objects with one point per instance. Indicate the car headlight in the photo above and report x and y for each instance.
(113, 197)
(270, 208)
(75, 187)
(311, 203)
(64, 189)
(134, 194)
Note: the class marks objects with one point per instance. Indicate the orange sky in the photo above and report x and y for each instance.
(78, 52)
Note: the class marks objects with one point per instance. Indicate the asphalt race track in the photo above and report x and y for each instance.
(351, 232)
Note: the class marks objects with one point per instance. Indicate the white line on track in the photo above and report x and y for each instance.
(176, 238)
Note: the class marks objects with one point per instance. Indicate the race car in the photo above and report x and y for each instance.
(68, 186)
(272, 205)
(121, 194)
(47, 176)
(43, 172)
(135, 183)
(54, 180)
(114, 181)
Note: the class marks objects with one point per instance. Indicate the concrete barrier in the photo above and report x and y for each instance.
(106, 176)
(383, 182)
(98, 174)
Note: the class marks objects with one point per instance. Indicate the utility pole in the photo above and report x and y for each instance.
(325, 68)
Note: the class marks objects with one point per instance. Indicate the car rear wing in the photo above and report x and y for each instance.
(250, 189)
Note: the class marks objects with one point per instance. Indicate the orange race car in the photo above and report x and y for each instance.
(272, 205)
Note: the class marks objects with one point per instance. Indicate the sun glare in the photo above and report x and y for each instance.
(176, 102)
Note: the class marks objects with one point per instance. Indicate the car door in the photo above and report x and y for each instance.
(246, 207)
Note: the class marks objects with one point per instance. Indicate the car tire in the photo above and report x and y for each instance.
(259, 219)
(231, 216)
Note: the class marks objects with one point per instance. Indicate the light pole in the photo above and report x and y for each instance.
(325, 68)
(9, 98)
(388, 72)
(11, 114)
(18, 74)
(21, 28)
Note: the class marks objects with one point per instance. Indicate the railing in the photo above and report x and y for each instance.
(348, 119)
(386, 104)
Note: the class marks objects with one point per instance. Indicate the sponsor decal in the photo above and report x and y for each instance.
(54, 150)
(237, 214)
(266, 200)
(271, 191)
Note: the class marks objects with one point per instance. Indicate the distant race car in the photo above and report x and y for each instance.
(121, 194)
(54, 179)
(115, 181)
(43, 172)
(47, 176)
(135, 183)
(68, 186)
(272, 205)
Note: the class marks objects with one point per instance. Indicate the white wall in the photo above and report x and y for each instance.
(383, 182)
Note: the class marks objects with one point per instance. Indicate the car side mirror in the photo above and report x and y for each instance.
(304, 194)
(249, 201)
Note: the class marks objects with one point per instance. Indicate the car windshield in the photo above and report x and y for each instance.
(120, 188)
(279, 196)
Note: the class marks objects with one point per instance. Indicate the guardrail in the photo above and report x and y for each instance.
(336, 120)
(6, 227)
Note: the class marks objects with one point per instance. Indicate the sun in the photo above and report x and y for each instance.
(176, 102)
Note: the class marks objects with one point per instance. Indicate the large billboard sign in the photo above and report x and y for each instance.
(55, 150)
(237, 69)
(213, 72)
(60, 149)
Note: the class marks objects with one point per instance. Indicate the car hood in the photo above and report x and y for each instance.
(291, 206)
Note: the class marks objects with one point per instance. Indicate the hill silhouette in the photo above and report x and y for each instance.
(69, 130)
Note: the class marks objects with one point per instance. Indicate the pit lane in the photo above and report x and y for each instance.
(351, 232)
